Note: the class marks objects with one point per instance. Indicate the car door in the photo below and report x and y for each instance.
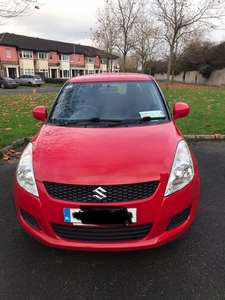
(19, 80)
(24, 79)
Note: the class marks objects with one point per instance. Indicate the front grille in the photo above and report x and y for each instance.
(102, 234)
(29, 219)
(114, 193)
(179, 218)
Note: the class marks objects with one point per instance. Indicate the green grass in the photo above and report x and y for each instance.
(16, 119)
(207, 114)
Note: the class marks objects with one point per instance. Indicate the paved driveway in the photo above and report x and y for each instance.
(193, 267)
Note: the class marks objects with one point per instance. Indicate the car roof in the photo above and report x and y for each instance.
(107, 77)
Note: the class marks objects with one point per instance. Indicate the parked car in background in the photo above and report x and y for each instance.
(109, 169)
(31, 80)
(8, 82)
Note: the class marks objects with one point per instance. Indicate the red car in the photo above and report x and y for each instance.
(109, 169)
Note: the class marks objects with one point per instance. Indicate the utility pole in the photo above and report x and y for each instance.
(74, 52)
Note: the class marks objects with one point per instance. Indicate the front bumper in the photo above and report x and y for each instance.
(159, 220)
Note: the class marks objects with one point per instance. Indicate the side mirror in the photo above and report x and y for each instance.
(180, 110)
(40, 113)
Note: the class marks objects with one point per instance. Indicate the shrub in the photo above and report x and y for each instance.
(59, 81)
(206, 71)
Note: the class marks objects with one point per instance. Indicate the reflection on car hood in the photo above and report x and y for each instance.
(94, 156)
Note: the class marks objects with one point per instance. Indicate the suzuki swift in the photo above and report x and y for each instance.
(109, 170)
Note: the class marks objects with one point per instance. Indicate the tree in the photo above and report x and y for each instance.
(180, 19)
(147, 44)
(196, 54)
(17, 8)
(123, 16)
(105, 34)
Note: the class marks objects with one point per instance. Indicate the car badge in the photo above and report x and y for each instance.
(99, 193)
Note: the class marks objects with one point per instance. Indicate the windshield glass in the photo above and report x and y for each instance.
(108, 101)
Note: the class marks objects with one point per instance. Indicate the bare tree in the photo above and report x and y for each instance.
(181, 18)
(17, 8)
(105, 34)
(123, 16)
(147, 44)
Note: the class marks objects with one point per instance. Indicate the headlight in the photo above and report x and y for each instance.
(24, 172)
(182, 171)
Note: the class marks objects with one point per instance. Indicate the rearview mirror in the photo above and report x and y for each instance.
(40, 113)
(180, 110)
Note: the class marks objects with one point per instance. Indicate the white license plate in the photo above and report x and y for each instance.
(69, 215)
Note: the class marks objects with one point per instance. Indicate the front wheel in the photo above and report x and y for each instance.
(2, 86)
(29, 83)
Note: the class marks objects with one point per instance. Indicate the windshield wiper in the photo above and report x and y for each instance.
(89, 121)
(139, 121)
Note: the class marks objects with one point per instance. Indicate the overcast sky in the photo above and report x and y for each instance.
(60, 20)
(65, 20)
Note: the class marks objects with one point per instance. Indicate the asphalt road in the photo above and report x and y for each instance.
(192, 267)
(29, 90)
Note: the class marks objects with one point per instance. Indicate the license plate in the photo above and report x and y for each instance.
(100, 216)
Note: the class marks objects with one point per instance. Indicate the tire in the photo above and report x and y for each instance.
(29, 83)
(2, 85)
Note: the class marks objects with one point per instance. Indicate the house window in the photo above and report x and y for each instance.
(63, 57)
(71, 58)
(8, 53)
(45, 71)
(51, 56)
(26, 71)
(42, 55)
(26, 54)
(90, 59)
(79, 59)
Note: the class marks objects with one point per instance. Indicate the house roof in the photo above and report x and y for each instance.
(22, 42)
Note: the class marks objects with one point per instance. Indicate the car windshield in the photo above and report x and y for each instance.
(108, 102)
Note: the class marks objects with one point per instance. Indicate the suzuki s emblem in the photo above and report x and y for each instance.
(99, 193)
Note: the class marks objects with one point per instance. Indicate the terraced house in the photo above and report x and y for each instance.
(23, 55)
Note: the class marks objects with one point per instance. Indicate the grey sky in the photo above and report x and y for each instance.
(66, 20)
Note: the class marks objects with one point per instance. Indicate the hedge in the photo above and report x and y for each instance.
(60, 81)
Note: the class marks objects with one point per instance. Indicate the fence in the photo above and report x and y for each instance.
(217, 78)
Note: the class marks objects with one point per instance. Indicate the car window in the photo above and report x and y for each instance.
(111, 100)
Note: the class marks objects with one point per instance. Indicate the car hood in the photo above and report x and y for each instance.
(96, 156)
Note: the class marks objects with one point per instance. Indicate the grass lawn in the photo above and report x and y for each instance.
(207, 104)
(16, 119)
(207, 114)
